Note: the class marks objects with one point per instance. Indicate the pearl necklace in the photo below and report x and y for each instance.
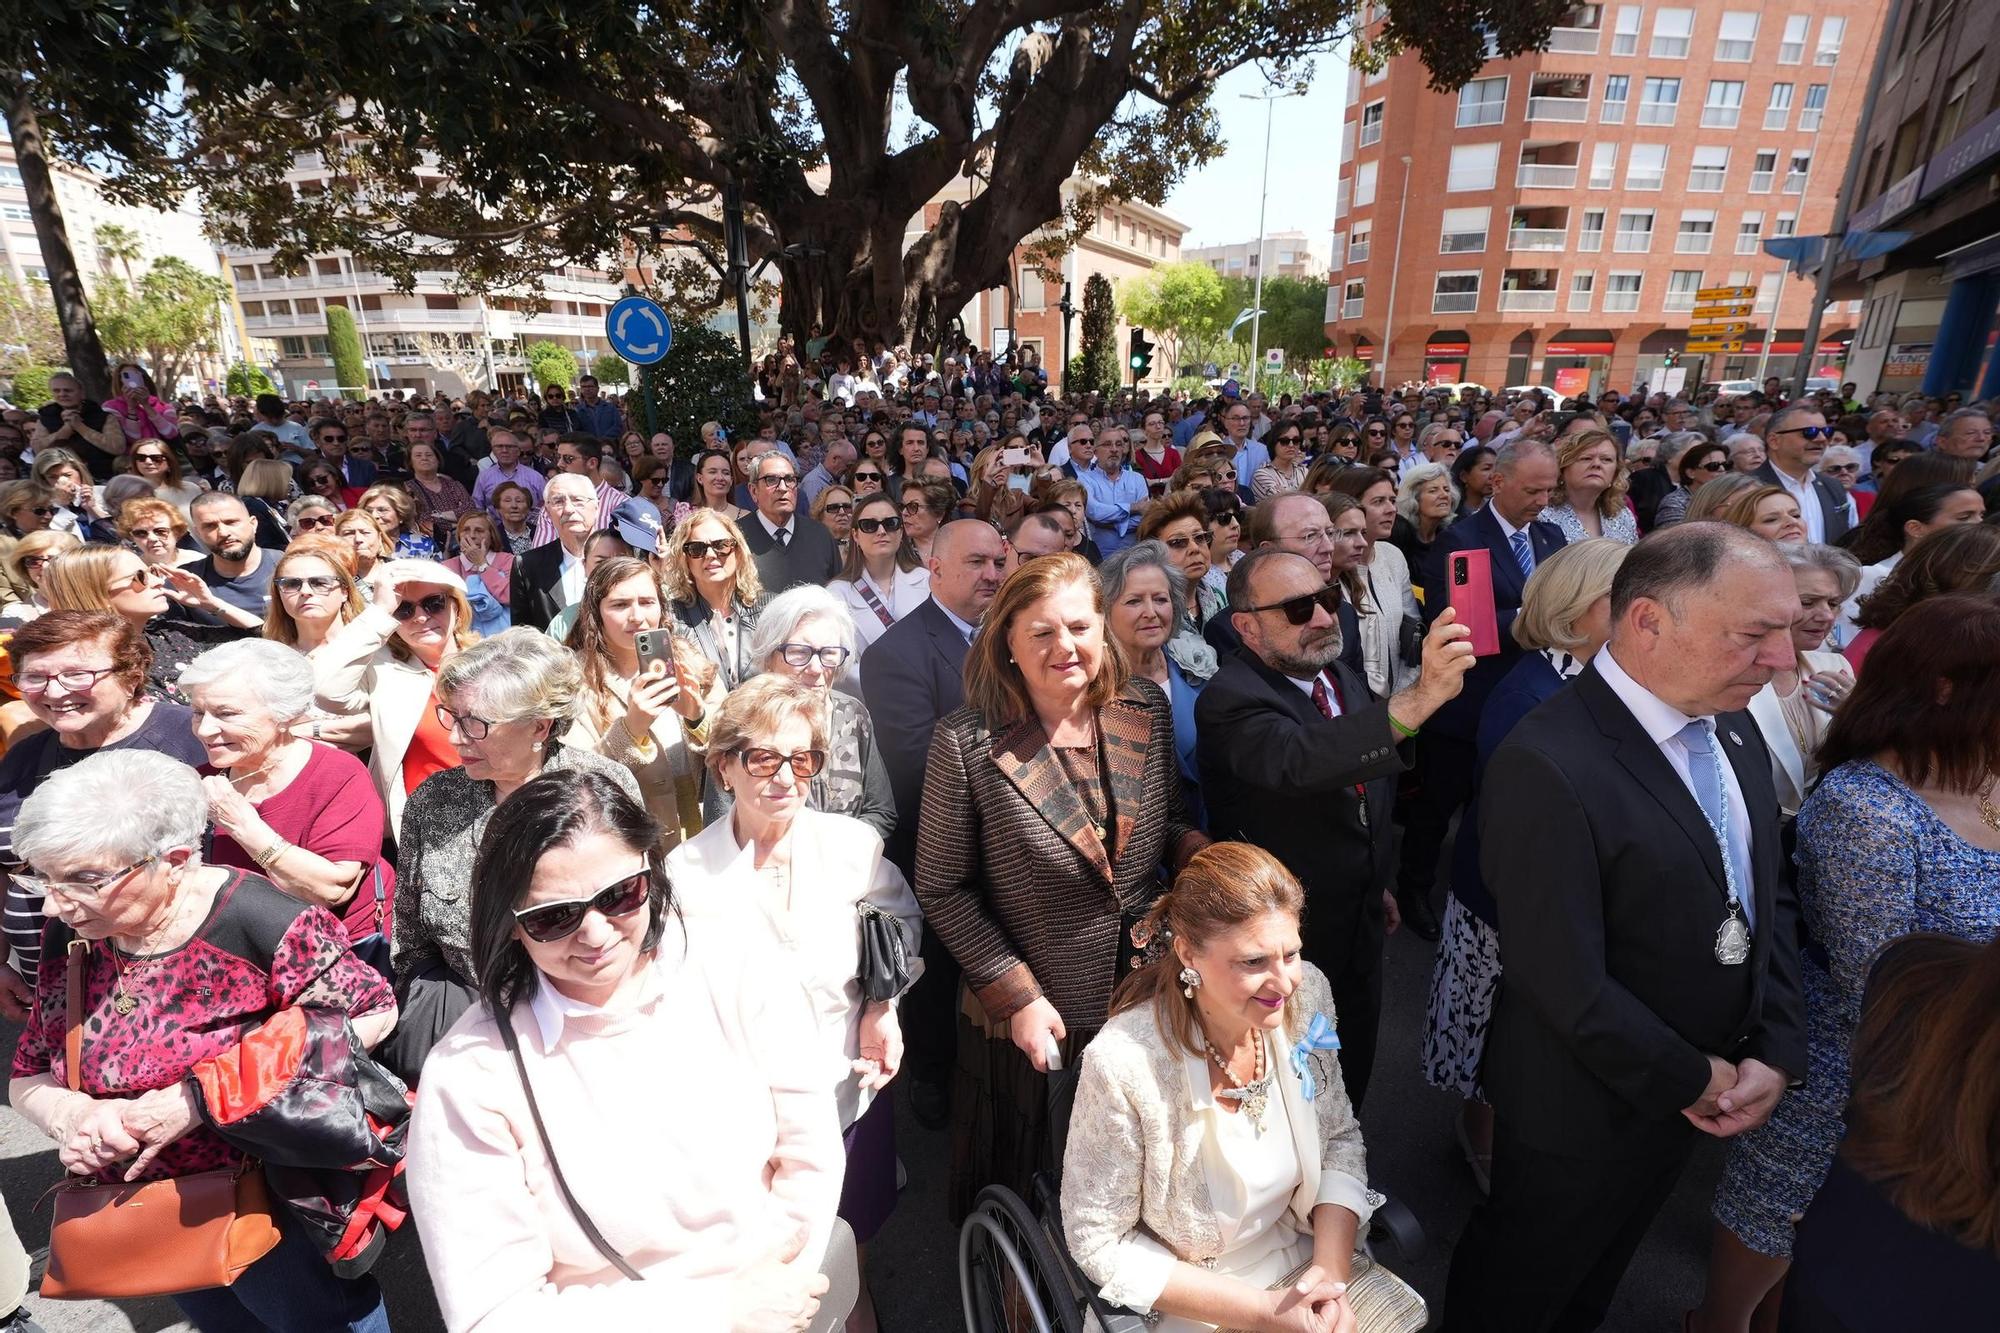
(1255, 1096)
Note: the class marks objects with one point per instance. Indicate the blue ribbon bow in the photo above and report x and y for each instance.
(1320, 1036)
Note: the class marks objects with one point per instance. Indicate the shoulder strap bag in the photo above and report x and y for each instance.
(155, 1237)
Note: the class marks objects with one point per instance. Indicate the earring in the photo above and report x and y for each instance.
(538, 747)
(1189, 980)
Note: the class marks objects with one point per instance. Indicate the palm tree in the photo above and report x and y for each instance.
(119, 243)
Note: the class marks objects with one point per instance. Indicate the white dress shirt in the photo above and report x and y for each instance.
(775, 528)
(570, 585)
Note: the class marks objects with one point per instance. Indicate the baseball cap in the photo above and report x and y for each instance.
(638, 524)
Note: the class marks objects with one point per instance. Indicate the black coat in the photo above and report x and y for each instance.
(534, 589)
(910, 677)
(811, 556)
(1611, 887)
(1481, 531)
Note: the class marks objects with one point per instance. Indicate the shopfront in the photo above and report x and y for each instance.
(1444, 356)
(1576, 363)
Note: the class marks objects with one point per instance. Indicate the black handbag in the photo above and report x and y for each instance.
(886, 954)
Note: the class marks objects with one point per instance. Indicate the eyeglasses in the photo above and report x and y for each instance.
(1713, 465)
(142, 578)
(324, 479)
(781, 481)
(1201, 539)
(1298, 610)
(799, 654)
(545, 923)
(1376, 430)
(75, 679)
(911, 508)
(723, 547)
(82, 890)
(1828, 467)
(433, 605)
(312, 522)
(837, 507)
(1810, 432)
(1226, 516)
(1453, 440)
(316, 582)
(35, 561)
(761, 763)
(42, 511)
(149, 458)
(1288, 439)
(472, 728)
(867, 476)
(875, 525)
(334, 437)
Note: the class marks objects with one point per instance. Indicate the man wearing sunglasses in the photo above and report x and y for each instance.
(330, 438)
(1793, 443)
(1303, 761)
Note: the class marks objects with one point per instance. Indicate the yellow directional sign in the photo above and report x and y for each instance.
(1725, 294)
(1713, 331)
(1733, 345)
(1713, 312)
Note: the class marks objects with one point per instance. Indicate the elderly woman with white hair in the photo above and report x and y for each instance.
(1426, 499)
(179, 963)
(806, 635)
(1145, 604)
(1746, 452)
(302, 813)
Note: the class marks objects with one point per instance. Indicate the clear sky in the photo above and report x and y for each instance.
(1219, 201)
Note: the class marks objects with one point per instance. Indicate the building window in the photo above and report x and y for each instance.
(1621, 293)
(1709, 169)
(1958, 95)
(1785, 224)
(1814, 109)
(1737, 38)
(1635, 231)
(327, 268)
(1455, 294)
(1342, 189)
(1673, 31)
(1582, 287)
(1779, 113)
(1357, 245)
(1767, 290)
(1792, 49)
(1364, 183)
(1832, 31)
(11, 175)
(306, 305)
(1658, 101)
(1625, 36)
(1371, 123)
(1724, 104)
(1590, 235)
(1646, 167)
(1796, 173)
(291, 346)
(241, 272)
(1682, 284)
(253, 309)
(1473, 167)
(1355, 296)
(1617, 88)
(1750, 234)
(1482, 102)
(1764, 171)
(1697, 232)
(1603, 165)
(1464, 231)
(1030, 289)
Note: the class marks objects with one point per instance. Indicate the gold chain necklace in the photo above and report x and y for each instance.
(1987, 814)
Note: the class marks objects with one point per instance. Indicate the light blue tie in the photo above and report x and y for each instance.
(1705, 770)
(1524, 554)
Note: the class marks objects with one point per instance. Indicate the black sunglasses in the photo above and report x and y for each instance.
(546, 923)
(873, 525)
(309, 523)
(698, 550)
(1298, 610)
(432, 605)
(1810, 432)
(837, 507)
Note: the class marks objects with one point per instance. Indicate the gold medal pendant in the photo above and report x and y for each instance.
(125, 1004)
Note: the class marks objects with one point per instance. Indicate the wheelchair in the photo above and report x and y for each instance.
(1014, 1268)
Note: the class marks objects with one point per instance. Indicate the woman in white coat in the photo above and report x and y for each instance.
(1214, 1174)
(1795, 709)
(883, 580)
(800, 877)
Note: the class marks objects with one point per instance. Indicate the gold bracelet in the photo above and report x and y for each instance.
(269, 856)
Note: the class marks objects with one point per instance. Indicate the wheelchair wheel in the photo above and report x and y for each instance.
(1010, 1277)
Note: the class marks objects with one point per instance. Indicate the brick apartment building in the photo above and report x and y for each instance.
(1551, 222)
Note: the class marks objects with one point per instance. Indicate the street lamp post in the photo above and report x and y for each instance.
(1269, 99)
(1395, 270)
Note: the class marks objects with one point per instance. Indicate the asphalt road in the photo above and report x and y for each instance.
(912, 1264)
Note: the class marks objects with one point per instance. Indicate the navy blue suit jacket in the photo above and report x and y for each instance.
(1481, 531)
(910, 677)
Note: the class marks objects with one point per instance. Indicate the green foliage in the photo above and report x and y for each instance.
(247, 380)
(701, 378)
(1183, 300)
(1345, 372)
(611, 369)
(1098, 348)
(29, 333)
(1294, 319)
(551, 363)
(167, 320)
(31, 385)
(1191, 386)
(350, 364)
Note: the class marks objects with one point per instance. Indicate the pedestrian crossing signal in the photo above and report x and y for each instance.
(1141, 359)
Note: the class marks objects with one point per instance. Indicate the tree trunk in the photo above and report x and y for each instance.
(86, 353)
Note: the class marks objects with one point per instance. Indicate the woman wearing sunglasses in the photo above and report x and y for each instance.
(925, 505)
(833, 508)
(1286, 472)
(385, 663)
(637, 1037)
(24, 564)
(649, 715)
(871, 477)
(1693, 460)
(883, 580)
(805, 635)
(714, 588)
(156, 463)
(97, 577)
(802, 871)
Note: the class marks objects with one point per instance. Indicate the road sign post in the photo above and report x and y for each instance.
(638, 330)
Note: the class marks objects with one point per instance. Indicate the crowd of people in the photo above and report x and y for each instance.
(938, 729)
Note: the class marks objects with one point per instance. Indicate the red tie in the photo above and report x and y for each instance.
(1320, 699)
(1324, 701)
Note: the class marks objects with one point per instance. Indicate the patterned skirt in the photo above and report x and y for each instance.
(1464, 982)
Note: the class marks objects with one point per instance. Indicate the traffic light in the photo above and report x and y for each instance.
(1141, 359)
(1673, 358)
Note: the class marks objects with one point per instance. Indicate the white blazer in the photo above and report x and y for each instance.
(837, 864)
(1791, 767)
(354, 671)
(906, 593)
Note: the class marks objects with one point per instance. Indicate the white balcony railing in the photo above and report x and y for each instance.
(1827, 55)
(1721, 117)
(1528, 300)
(1536, 238)
(1574, 41)
(1539, 176)
(1471, 114)
(1357, 252)
(1645, 180)
(1760, 181)
(1693, 242)
(1669, 48)
(1791, 53)
(1454, 303)
(1777, 117)
(1589, 242)
(1612, 112)
(1809, 119)
(1795, 182)
(1735, 50)
(1658, 113)
(1579, 300)
(1633, 242)
(1573, 109)
(1615, 302)
(1462, 242)
(1749, 242)
(1678, 301)
(1351, 308)
(1371, 132)
(1707, 180)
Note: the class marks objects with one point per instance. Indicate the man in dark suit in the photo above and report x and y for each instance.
(1299, 523)
(1649, 940)
(1793, 443)
(910, 677)
(1299, 758)
(329, 436)
(790, 548)
(1524, 477)
(550, 577)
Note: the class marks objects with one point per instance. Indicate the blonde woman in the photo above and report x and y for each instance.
(395, 513)
(1589, 499)
(365, 537)
(25, 564)
(713, 589)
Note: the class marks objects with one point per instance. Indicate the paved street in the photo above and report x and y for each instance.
(913, 1263)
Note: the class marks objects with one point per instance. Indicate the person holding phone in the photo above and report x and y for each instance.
(140, 410)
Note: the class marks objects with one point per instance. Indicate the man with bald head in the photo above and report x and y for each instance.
(1298, 757)
(1649, 991)
(910, 677)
